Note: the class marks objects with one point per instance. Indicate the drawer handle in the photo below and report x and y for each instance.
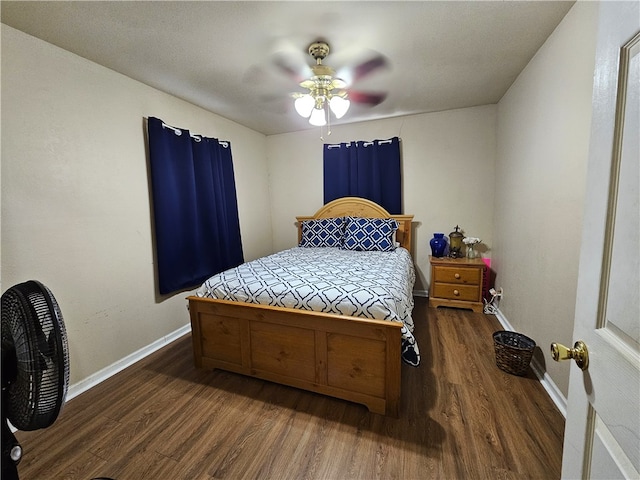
(456, 292)
(457, 275)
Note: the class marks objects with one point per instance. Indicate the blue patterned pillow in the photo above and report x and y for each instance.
(367, 234)
(324, 232)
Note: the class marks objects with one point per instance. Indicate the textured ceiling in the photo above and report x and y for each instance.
(222, 56)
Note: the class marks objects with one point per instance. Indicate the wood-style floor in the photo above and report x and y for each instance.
(461, 418)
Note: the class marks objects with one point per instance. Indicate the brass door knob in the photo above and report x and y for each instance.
(579, 353)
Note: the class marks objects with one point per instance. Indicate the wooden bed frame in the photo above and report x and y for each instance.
(354, 359)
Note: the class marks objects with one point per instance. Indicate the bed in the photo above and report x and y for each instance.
(348, 357)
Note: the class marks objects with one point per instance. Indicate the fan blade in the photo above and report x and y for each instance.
(41, 338)
(367, 98)
(281, 67)
(9, 363)
(367, 68)
(295, 69)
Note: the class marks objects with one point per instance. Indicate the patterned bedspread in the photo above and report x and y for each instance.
(375, 285)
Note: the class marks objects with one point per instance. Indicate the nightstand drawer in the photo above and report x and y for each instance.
(458, 275)
(469, 293)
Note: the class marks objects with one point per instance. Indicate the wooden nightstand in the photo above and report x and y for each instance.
(456, 282)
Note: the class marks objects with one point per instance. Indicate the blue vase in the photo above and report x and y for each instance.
(438, 245)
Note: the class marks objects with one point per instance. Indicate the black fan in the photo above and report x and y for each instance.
(35, 365)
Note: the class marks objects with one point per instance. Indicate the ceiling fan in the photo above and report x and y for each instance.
(326, 93)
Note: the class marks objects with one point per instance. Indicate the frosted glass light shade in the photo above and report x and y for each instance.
(304, 105)
(339, 106)
(318, 117)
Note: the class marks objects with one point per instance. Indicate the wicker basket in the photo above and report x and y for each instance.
(513, 351)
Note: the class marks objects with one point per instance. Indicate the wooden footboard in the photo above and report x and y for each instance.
(350, 358)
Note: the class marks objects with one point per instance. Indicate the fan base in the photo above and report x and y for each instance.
(10, 450)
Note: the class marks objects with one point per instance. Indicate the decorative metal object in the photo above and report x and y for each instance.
(455, 243)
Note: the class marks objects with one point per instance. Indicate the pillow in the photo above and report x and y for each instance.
(324, 232)
(368, 234)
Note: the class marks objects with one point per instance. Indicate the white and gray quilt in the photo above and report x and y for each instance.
(374, 284)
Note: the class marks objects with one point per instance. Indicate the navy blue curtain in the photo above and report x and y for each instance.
(197, 230)
(369, 170)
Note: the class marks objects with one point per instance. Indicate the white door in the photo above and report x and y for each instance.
(602, 434)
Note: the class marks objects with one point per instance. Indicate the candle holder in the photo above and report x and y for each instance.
(455, 243)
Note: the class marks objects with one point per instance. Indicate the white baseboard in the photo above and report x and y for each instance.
(100, 376)
(552, 389)
(548, 384)
(82, 386)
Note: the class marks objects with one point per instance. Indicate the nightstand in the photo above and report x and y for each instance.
(456, 282)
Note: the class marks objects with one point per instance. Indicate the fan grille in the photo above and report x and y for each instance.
(32, 324)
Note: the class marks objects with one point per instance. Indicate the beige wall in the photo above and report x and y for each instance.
(448, 171)
(75, 197)
(543, 138)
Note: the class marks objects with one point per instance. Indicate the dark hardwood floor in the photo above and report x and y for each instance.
(461, 418)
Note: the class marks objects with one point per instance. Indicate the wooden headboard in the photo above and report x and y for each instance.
(360, 207)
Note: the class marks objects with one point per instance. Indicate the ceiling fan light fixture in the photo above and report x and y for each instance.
(304, 105)
(318, 117)
(339, 106)
(326, 95)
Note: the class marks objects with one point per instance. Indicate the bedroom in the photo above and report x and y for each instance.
(87, 235)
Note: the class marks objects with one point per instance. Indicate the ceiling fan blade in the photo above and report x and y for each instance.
(367, 68)
(295, 70)
(367, 98)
